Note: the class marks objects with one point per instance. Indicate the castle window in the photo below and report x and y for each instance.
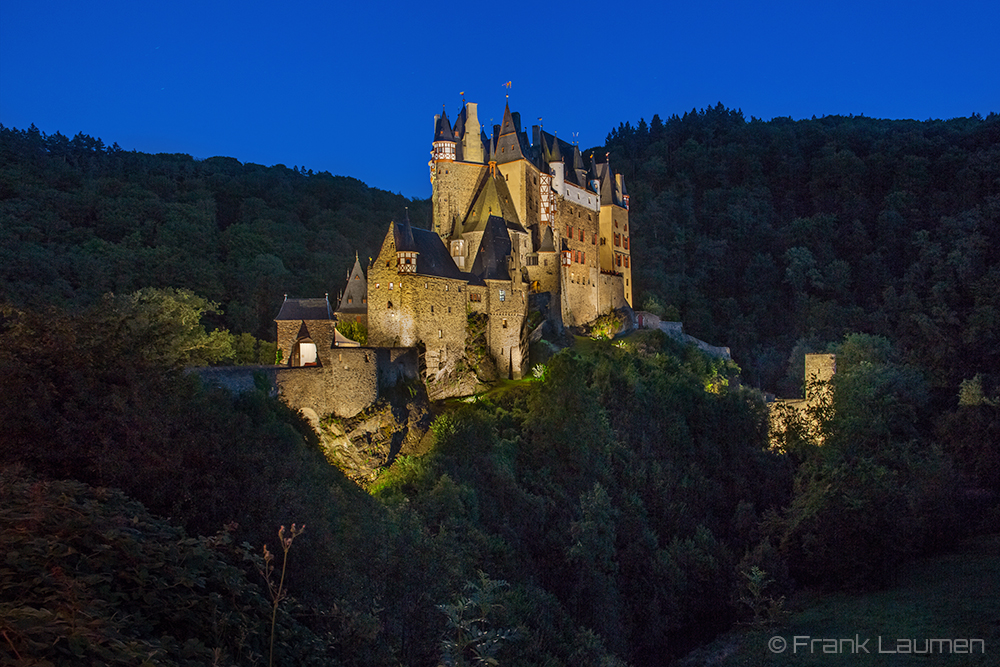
(626, 261)
(364, 299)
(440, 333)
(425, 285)
(625, 242)
(447, 287)
(505, 323)
(377, 285)
(583, 256)
(432, 309)
(350, 299)
(305, 353)
(569, 231)
(389, 305)
(475, 296)
(503, 295)
(357, 277)
(390, 285)
(449, 310)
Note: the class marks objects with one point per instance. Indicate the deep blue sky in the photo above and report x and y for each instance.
(352, 87)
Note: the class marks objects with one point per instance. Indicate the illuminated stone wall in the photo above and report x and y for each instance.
(320, 331)
(505, 330)
(616, 245)
(611, 292)
(344, 385)
(424, 309)
(576, 227)
(454, 186)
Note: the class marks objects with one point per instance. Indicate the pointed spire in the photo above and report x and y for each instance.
(508, 144)
(443, 132)
(403, 234)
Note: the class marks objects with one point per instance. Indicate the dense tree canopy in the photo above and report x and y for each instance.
(768, 234)
(80, 219)
(610, 510)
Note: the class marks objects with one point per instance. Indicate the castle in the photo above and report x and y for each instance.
(512, 218)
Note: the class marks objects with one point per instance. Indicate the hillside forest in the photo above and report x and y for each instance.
(622, 505)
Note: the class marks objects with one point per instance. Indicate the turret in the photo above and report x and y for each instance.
(444, 139)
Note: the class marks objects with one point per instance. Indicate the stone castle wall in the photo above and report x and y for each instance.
(611, 292)
(506, 325)
(320, 331)
(423, 309)
(545, 273)
(616, 248)
(577, 227)
(454, 187)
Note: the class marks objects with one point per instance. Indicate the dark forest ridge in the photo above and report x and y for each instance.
(618, 506)
(767, 237)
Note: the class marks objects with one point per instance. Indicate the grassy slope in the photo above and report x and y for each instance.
(956, 595)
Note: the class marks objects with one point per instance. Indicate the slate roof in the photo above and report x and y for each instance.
(402, 235)
(491, 199)
(443, 130)
(494, 249)
(356, 292)
(508, 147)
(434, 258)
(304, 309)
(546, 245)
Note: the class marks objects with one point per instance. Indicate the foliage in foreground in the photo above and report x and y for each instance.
(871, 490)
(90, 577)
(642, 489)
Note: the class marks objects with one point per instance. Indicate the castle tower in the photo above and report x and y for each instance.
(470, 134)
(616, 251)
(444, 141)
(456, 166)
